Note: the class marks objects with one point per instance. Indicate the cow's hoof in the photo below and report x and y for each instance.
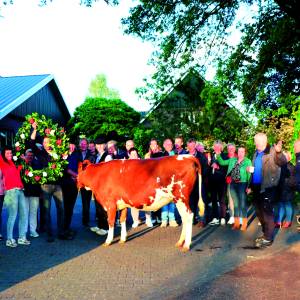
(179, 244)
(121, 242)
(185, 249)
(105, 244)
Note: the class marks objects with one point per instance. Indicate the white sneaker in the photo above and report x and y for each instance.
(258, 224)
(101, 231)
(135, 224)
(11, 243)
(34, 234)
(149, 224)
(164, 224)
(223, 222)
(173, 223)
(214, 221)
(231, 221)
(94, 229)
(23, 241)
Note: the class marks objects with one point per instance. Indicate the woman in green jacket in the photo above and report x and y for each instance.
(237, 170)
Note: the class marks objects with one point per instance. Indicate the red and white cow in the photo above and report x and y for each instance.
(146, 185)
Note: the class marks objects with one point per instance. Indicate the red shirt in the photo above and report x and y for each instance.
(11, 173)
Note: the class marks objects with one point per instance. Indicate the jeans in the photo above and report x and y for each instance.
(1, 205)
(15, 203)
(168, 212)
(218, 192)
(70, 193)
(54, 190)
(86, 197)
(285, 209)
(238, 193)
(32, 205)
(264, 209)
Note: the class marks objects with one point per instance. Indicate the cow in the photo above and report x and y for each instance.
(146, 185)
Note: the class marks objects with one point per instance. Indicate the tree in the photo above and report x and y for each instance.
(100, 117)
(98, 88)
(87, 3)
(197, 109)
(264, 65)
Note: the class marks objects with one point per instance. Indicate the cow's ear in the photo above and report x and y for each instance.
(85, 163)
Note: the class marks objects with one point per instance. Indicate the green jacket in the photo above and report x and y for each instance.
(245, 176)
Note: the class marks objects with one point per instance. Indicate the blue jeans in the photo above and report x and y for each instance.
(1, 205)
(54, 190)
(168, 212)
(32, 205)
(284, 209)
(238, 194)
(15, 203)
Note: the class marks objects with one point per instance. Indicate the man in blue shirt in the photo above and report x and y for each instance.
(267, 164)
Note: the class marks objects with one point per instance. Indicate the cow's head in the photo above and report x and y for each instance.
(81, 179)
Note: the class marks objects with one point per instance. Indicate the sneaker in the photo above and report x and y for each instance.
(34, 234)
(231, 221)
(101, 231)
(94, 229)
(23, 241)
(223, 222)
(11, 243)
(201, 224)
(286, 224)
(277, 224)
(173, 223)
(214, 221)
(164, 224)
(149, 224)
(263, 243)
(135, 224)
(258, 224)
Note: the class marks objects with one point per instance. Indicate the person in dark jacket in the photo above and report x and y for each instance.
(267, 162)
(50, 189)
(86, 196)
(217, 185)
(69, 187)
(286, 193)
(194, 197)
(32, 194)
(297, 153)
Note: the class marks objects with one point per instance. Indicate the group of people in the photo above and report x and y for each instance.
(267, 179)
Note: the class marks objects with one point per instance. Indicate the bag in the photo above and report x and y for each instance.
(235, 173)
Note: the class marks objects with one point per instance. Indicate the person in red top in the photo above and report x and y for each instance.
(14, 198)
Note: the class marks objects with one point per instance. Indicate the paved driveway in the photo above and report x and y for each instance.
(148, 266)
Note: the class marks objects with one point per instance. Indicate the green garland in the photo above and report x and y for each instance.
(58, 142)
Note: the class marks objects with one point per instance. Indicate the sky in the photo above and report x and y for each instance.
(74, 43)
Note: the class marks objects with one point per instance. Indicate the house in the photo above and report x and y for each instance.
(22, 95)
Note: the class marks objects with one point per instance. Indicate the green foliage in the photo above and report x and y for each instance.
(99, 89)
(142, 137)
(98, 116)
(58, 142)
(87, 3)
(264, 66)
(196, 109)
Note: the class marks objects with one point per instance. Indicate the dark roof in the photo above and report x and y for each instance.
(16, 90)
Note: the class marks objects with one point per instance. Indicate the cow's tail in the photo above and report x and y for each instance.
(201, 205)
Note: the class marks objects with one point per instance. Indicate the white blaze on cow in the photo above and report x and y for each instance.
(146, 185)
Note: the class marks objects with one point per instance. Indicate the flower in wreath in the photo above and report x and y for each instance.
(58, 142)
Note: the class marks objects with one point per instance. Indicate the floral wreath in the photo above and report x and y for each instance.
(58, 141)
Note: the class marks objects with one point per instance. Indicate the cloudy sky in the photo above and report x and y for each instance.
(73, 43)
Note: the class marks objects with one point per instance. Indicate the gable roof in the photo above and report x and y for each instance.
(15, 90)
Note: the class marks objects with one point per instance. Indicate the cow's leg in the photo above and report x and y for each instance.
(111, 217)
(188, 231)
(182, 211)
(123, 225)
